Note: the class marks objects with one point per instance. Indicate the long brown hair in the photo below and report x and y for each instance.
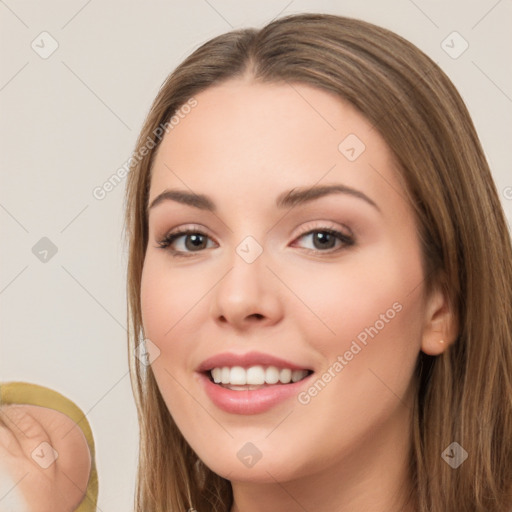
(463, 395)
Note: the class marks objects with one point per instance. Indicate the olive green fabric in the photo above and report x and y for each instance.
(34, 394)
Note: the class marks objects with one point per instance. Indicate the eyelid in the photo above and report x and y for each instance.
(344, 235)
(184, 228)
(183, 231)
(319, 225)
(172, 235)
(306, 228)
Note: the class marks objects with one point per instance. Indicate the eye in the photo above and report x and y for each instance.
(327, 239)
(186, 242)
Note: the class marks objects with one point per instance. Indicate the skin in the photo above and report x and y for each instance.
(242, 145)
(59, 487)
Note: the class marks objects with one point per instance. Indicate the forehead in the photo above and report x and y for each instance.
(243, 138)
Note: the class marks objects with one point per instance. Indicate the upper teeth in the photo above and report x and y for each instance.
(255, 375)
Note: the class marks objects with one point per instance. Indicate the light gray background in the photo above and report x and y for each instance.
(69, 121)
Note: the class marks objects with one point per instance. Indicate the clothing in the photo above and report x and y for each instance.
(34, 394)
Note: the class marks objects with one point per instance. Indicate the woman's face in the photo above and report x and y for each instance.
(275, 282)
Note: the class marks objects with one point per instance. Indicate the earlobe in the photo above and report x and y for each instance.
(440, 326)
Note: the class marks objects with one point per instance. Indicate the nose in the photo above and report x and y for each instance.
(249, 294)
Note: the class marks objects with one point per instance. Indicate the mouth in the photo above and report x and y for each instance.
(239, 378)
(251, 382)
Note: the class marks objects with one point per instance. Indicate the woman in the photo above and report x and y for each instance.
(319, 282)
(350, 354)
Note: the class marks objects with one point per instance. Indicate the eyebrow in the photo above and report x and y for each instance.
(288, 199)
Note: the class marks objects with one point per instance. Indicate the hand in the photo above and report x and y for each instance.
(44, 480)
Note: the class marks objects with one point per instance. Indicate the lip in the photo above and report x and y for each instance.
(250, 401)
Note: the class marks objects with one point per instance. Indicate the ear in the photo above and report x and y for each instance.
(440, 328)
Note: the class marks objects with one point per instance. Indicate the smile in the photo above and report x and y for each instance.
(251, 382)
(237, 378)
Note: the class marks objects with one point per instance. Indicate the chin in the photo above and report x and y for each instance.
(261, 472)
(248, 464)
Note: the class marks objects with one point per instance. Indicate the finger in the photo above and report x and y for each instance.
(33, 439)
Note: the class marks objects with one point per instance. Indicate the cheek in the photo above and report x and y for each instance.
(155, 299)
(168, 296)
(371, 313)
(169, 299)
(364, 295)
(174, 304)
(369, 357)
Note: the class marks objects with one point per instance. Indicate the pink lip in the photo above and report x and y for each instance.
(246, 360)
(248, 402)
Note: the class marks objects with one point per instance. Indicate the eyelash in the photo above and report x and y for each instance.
(168, 239)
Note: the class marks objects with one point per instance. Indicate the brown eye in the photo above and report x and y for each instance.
(327, 240)
(183, 243)
(187, 242)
